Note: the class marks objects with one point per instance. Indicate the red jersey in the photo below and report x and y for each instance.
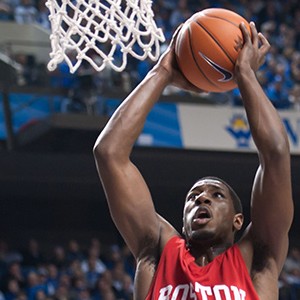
(178, 277)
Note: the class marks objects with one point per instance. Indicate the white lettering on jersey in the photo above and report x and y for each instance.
(192, 292)
(204, 290)
(221, 289)
(185, 288)
(164, 293)
(185, 291)
(239, 294)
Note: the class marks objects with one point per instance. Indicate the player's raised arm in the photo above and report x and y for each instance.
(272, 205)
(129, 199)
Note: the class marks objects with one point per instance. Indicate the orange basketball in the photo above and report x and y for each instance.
(207, 47)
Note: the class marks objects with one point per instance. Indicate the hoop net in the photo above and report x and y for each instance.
(102, 32)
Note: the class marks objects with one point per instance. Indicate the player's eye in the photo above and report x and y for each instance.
(192, 197)
(219, 195)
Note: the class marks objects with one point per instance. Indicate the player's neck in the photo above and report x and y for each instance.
(203, 256)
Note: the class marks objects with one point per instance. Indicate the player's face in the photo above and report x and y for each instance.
(208, 215)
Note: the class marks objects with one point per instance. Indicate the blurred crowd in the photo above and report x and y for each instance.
(70, 272)
(278, 20)
(25, 12)
(289, 281)
(92, 272)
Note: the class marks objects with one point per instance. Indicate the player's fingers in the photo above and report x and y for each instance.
(184, 84)
(192, 88)
(246, 35)
(254, 34)
(174, 36)
(265, 45)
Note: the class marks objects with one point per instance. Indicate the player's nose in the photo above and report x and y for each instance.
(203, 198)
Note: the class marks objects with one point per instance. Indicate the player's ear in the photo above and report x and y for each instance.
(238, 221)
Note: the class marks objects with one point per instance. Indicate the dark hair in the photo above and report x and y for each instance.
(237, 204)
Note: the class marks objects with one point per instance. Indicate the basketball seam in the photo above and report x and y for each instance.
(201, 71)
(216, 41)
(224, 19)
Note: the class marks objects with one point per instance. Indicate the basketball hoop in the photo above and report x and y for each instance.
(102, 32)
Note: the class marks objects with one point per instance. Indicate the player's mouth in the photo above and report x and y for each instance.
(202, 216)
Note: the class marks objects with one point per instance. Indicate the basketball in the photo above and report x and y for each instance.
(207, 47)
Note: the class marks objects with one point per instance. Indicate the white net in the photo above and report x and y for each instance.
(102, 32)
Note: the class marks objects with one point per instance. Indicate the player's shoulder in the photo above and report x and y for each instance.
(256, 253)
(167, 232)
(153, 246)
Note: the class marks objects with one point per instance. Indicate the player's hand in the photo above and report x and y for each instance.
(254, 50)
(169, 63)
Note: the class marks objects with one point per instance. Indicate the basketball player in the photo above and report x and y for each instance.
(203, 262)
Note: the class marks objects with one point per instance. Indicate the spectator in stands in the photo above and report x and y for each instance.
(41, 295)
(180, 14)
(6, 11)
(62, 79)
(129, 261)
(29, 69)
(59, 257)
(293, 260)
(296, 25)
(114, 256)
(65, 280)
(74, 252)
(79, 284)
(93, 271)
(126, 290)
(85, 91)
(43, 15)
(34, 284)
(290, 277)
(104, 290)
(63, 293)
(22, 296)
(169, 4)
(143, 67)
(294, 96)
(52, 279)
(162, 16)
(93, 266)
(74, 269)
(9, 256)
(14, 271)
(295, 67)
(97, 246)
(122, 283)
(278, 94)
(26, 12)
(13, 289)
(269, 12)
(84, 294)
(15, 3)
(32, 255)
(118, 273)
(285, 37)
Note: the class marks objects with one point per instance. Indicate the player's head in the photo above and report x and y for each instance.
(212, 212)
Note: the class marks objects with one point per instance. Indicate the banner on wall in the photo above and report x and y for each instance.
(226, 128)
